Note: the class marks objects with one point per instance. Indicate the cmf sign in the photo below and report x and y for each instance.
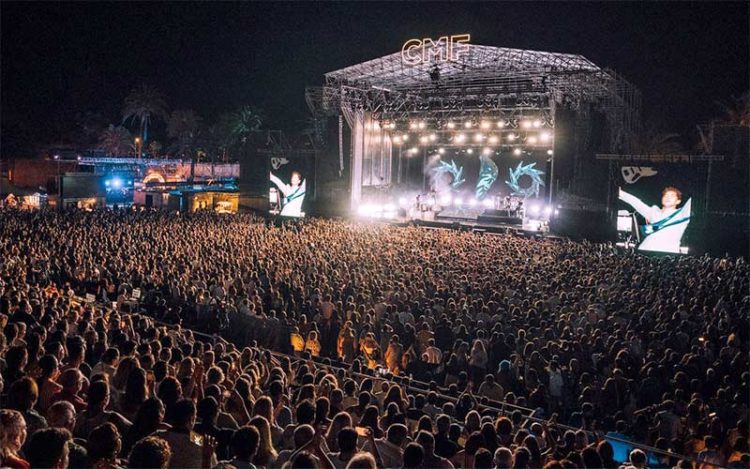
(444, 49)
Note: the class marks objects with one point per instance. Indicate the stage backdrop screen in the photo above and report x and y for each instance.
(482, 175)
(661, 201)
(291, 183)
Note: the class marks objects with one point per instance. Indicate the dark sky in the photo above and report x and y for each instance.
(59, 59)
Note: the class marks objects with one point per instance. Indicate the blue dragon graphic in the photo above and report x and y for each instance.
(487, 176)
(525, 170)
(457, 172)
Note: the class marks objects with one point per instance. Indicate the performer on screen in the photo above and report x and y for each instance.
(664, 226)
(294, 194)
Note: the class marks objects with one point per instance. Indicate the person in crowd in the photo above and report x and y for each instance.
(564, 354)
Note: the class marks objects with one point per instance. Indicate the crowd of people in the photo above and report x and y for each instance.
(336, 344)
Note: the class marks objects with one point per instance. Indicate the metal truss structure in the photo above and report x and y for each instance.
(492, 81)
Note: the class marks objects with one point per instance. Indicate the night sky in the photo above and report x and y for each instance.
(61, 59)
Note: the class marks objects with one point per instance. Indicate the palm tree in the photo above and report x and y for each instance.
(142, 105)
(116, 141)
(154, 148)
(244, 122)
(222, 136)
(183, 127)
(653, 141)
(737, 112)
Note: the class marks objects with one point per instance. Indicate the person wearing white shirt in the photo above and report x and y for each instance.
(294, 194)
(665, 225)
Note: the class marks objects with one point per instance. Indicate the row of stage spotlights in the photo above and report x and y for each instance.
(470, 151)
(523, 123)
(478, 138)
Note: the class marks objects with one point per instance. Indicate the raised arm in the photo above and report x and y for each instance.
(284, 188)
(636, 203)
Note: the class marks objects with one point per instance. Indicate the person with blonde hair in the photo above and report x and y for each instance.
(266, 455)
(12, 438)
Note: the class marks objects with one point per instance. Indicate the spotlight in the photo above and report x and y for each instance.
(441, 150)
(392, 125)
(433, 137)
(485, 125)
(445, 200)
(403, 201)
(467, 124)
(487, 203)
(544, 136)
(451, 125)
(537, 123)
(414, 150)
(423, 139)
(472, 202)
(517, 151)
(526, 124)
(460, 138)
(405, 137)
(532, 139)
(116, 183)
(548, 210)
(478, 137)
(458, 201)
(422, 125)
(500, 124)
(511, 137)
(397, 140)
(557, 212)
(487, 151)
(470, 151)
(534, 209)
(549, 152)
(492, 139)
(389, 208)
(413, 125)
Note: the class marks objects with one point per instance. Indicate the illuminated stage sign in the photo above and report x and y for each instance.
(444, 49)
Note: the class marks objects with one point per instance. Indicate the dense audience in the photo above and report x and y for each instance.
(334, 344)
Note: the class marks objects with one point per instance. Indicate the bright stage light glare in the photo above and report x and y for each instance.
(470, 151)
(458, 201)
(549, 152)
(467, 124)
(511, 137)
(500, 124)
(548, 210)
(487, 203)
(526, 124)
(413, 125)
(478, 137)
(397, 140)
(557, 212)
(451, 125)
(544, 136)
(485, 125)
(445, 200)
(392, 125)
(532, 139)
(487, 151)
(389, 208)
(433, 137)
(492, 139)
(537, 123)
(403, 201)
(413, 150)
(441, 150)
(534, 209)
(376, 126)
(460, 138)
(517, 151)
(405, 137)
(116, 183)
(422, 125)
(472, 202)
(423, 139)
